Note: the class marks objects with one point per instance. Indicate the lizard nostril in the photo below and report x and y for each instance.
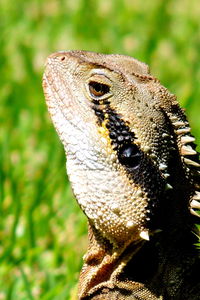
(62, 58)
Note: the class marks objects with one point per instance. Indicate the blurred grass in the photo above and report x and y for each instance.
(42, 230)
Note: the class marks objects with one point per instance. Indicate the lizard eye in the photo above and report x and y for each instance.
(130, 156)
(98, 89)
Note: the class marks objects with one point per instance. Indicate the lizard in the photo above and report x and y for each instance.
(134, 170)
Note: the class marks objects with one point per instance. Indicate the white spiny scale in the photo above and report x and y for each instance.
(144, 235)
(193, 212)
(164, 135)
(187, 139)
(183, 130)
(195, 204)
(178, 124)
(162, 167)
(191, 162)
(168, 186)
(166, 175)
(187, 150)
(196, 196)
(174, 118)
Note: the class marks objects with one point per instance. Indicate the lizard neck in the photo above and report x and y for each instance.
(158, 267)
(166, 265)
(103, 262)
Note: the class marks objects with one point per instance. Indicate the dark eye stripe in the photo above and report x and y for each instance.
(135, 162)
(120, 132)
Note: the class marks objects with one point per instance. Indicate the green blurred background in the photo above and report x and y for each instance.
(42, 230)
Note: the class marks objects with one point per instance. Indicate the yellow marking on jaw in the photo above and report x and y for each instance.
(104, 132)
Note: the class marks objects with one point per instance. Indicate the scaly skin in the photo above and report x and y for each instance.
(134, 170)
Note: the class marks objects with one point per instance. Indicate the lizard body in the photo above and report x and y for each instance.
(134, 170)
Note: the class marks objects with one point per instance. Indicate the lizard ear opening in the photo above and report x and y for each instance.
(130, 156)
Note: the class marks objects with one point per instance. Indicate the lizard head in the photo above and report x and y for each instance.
(119, 128)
